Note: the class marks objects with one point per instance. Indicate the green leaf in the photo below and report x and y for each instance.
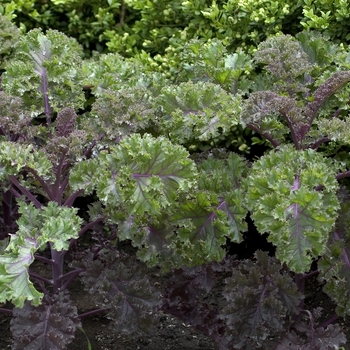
(15, 285)
(144, 175)
(284, 202)
(14, 157)
(45, 67)
(36, 227)
(201, 111)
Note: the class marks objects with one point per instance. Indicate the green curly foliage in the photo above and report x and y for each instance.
(201, 111)
(9, 36)
(140, 176)
(14, 281)
(335, 129)
(15, 157)
(285, 203)
(45, 72)
(36, 227)
(195, 230)
(284, 58)
(120, 113)
(14, 119)
(110, 71)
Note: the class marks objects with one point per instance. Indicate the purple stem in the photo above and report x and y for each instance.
(343, 175)
(70, 200)
(42, 183)
(91, 313)
(5, 311)
(69, 277)
(26, 192)
(57, 258)
(319, 142)
(267, 135)
(43, 259)
(40, 278)
(328, 322)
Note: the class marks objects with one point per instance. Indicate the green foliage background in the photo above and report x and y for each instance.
(161, 28)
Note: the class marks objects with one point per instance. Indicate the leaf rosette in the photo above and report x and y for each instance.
(291, 194)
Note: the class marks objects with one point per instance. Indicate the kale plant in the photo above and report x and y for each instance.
(127, 158)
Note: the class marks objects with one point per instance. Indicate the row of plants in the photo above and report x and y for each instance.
(135, 27)
(162, 165)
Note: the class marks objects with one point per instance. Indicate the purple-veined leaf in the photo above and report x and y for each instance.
(49, 326)
(144, 175)
(307, 336)
(285, 202)
(260, 298)
(123, 289)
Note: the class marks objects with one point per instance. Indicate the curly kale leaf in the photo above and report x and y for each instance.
(140, 176)
(201, 111)
(262, 109)
(15, 157)
(195, 230)
(49, 326)
(14, 119)
(36, 227)
(284, 202)
(45, 67)
(307, 336)
(286, 60)
(122, 288)
(9, 36)
(260, 299)
(117, 114)
(14, 278)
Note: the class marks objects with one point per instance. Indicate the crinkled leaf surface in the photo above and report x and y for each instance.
(260, 298)
(144, 175)
(200, 111)
(123, 287)
(36, 227)
(14, 279)
(14, 157)
(284, 202)
(49, 326)
(45, 64)
(193, 231)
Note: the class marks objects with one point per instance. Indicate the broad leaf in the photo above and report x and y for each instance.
(260, 299)
(14, 278)
(285, 203)
(36, 227)
(45, 71)
(123, 288)
(50, 326)
(201, 111)
(144, 175)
